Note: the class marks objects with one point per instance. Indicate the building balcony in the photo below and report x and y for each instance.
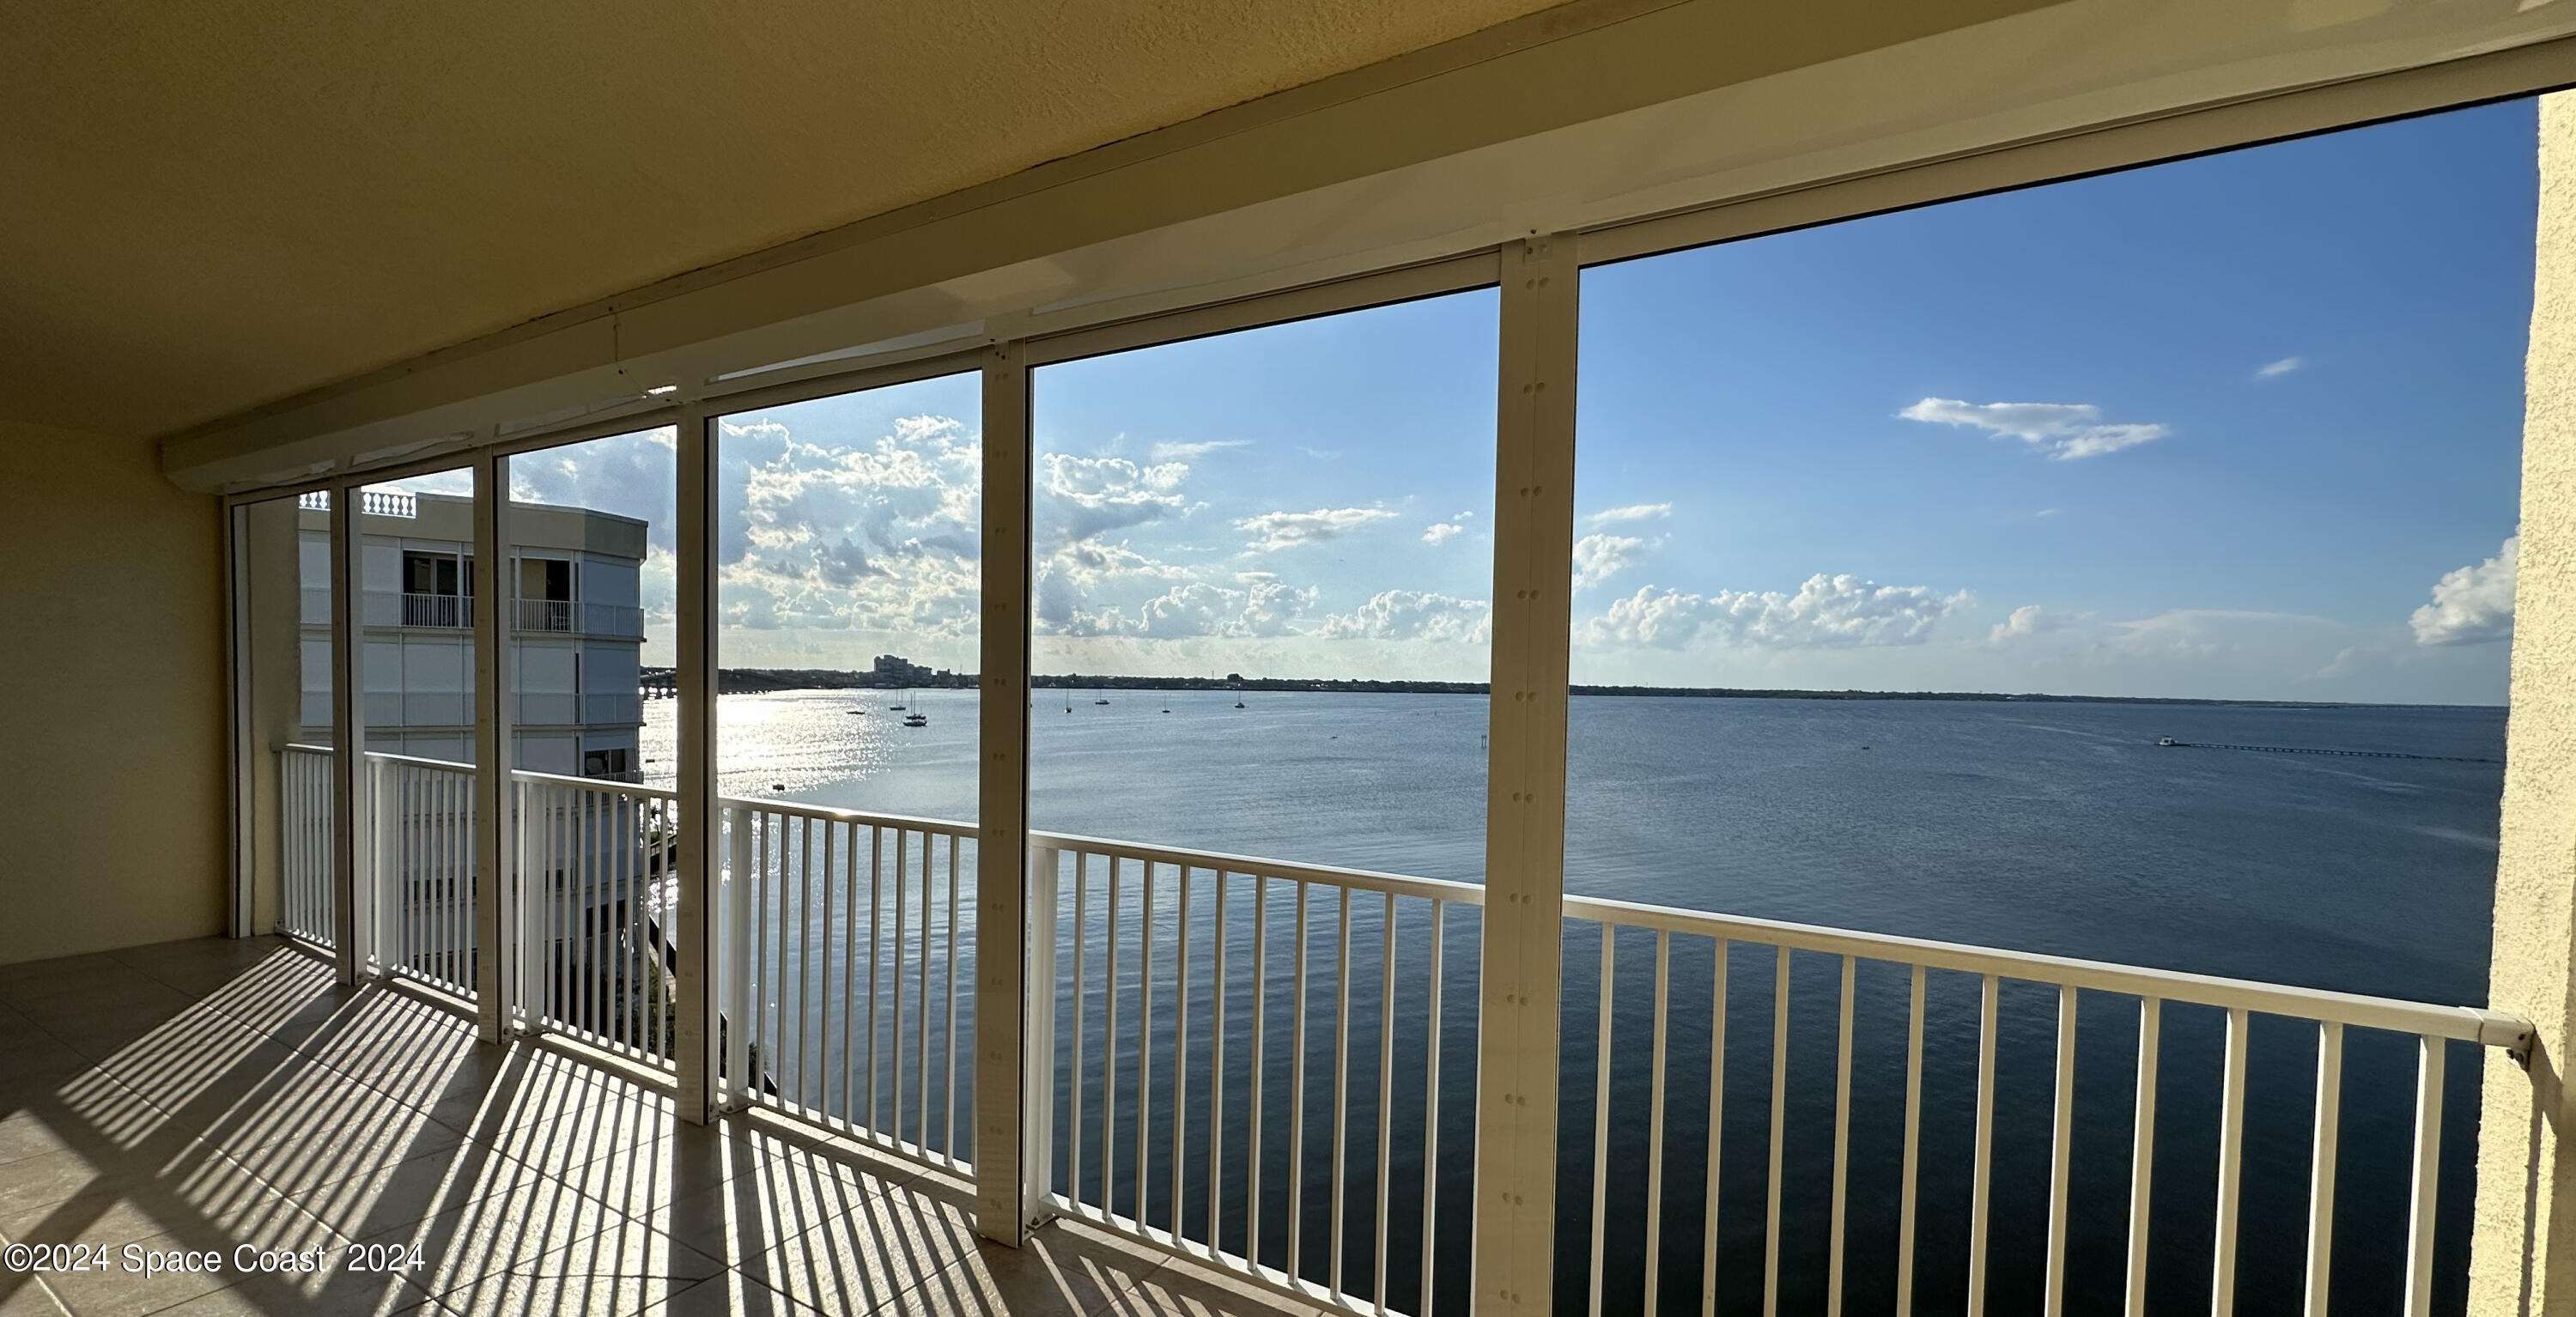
(1302, 1115)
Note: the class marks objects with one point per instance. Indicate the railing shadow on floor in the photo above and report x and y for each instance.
(276, 1109)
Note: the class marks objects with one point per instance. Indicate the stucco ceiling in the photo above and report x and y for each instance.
(216, 204)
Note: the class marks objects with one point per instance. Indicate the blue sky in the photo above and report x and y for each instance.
(2243, 427)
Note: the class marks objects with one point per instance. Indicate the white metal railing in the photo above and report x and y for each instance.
(421, 820)
(2125, 1211)
(1319, 1170)
(596, 866)
(843, 940)
(306, 788)
(580, 615)
(1242, 1061)
(438, 610)
(545, 615)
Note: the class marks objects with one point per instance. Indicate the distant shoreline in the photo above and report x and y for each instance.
(751, 681)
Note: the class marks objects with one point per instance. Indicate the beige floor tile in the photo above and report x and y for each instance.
(502, 1231)
(129, 1290)
(412, 1190)
(624, 1271)
(864, 1259)
(1048, 1274)
(22, 1295)
(772, 1190)
(337, 1294)
(730, 1294)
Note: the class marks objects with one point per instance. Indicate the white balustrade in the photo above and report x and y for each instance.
(1794, 953)
(1218, 1092)
(1241, 1060)
(421, 821)
(306, 787)
(597, 875)
(843, 942)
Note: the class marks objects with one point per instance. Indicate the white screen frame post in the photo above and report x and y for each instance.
(349, 854)
(1523, 946)
(496, 908)
(696, 1047)
(1002, 1012)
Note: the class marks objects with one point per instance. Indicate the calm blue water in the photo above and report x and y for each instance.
(2057, 828)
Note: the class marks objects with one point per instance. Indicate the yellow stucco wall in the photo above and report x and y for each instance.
(112, 740)
(2524, 1253)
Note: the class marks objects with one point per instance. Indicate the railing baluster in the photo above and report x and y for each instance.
(1297, 1100)
(2061, 1146)
(1180, 1053)
(2427, 1184)
(2142, 1154)
(737, 1043)
(1073, 1117)
(2321, 1165)
(876, 930)
(1216, 1080)
(823, 1011)
(1109, 1055)
(1431, 1114)
(1601, 1111)
(1655, 1123)
(2231, 1164)
(1385, 1093)
(1341, 1087)
(850, 981)
(1779, 1129)
(1913, 1144)
(902, 888)
(1716, 1130)
(1842, 1141)
(1260, 1065)
(1145, 1046)
(948, 970)
(1982, 1191)
(921, 996)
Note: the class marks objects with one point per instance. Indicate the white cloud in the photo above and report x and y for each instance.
(1273, 531)
(1441, 532)
(1826, 612)
(2064, 431)
(875, 536)
(1597, 558)
(2027, 621)
(1632, 512)
(1091, 495)
(1200, 609)
(2282, 367)
(1413, 615)
(1193, 451)
(2473, 603)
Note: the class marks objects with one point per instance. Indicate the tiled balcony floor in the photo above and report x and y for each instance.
(205, 1095)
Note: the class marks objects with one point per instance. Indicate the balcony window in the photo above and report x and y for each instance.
(1903, 547)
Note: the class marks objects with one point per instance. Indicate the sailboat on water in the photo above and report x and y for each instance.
(916, 718)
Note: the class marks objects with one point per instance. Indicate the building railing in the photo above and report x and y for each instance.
(1305, 1175)
(307, 784)
(421, 819)
(1270, 1067)
(438, 610)
(596, 879)
(568, 615)
(545, 615)
(841, 1010)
